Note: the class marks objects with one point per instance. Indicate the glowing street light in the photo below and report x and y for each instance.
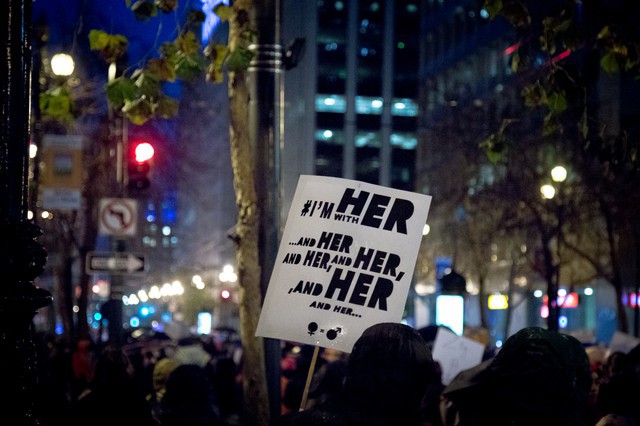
(228, 275)
(62, 64)
(547, 191)
(558, 174)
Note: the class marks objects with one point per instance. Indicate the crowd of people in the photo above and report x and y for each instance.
(389, 379)
(149, 382)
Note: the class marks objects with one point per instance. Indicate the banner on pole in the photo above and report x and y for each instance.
(345, 261)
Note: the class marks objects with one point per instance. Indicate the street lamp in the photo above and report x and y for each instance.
(558, 174)
(62, 64)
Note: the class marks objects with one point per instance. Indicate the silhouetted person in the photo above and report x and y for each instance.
(188, 399)
(619, 393)
(113, 397)
(539, 377)
(388, 372)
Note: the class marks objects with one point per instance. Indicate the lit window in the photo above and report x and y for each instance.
(404, 107)
(331, 103)
(368, 105)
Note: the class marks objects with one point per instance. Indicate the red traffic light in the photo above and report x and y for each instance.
(225, 294)
(139, 165)
(143, 152)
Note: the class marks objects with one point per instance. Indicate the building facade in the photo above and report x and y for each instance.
(351, 103)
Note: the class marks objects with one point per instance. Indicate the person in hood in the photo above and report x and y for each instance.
(539, 377)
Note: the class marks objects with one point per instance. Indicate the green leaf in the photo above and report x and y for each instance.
(215, 74)
(146, 83)
(168, 50)
(189, 67)
(517, 14)
(609, 62)
(216, 53)
(551, 125)
(556, 101)
(239, 59)
(144, 10)
(56, 103)
(533, 95)
(495, 148)
(120, 90)
(187, 43)
(161, 69)
(493, 7)
(138, 111)
(110, 46)
(97, 39)
(605, 33)
(223, 11)
(167, 107)
(167, 6)
(515, 61)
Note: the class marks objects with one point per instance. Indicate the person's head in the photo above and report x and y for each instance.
(538, 377)
(389, 371)
(113, 368)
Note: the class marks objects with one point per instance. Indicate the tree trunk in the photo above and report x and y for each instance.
(246, 235)
(482, 297)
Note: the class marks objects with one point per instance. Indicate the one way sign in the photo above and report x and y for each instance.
(115, 263)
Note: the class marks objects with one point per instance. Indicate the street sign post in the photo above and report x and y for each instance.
(115, 263)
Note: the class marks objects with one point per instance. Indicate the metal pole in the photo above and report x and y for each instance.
(22, 259)
(265, 86)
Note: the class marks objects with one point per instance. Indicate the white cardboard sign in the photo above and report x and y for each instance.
(455, 353)
(622, 342)
(345, 261)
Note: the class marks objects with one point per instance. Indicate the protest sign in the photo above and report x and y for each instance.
(345, 261)
(622, 342)
(455, 353)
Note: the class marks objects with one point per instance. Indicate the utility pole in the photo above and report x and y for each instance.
(265, 119)
(22, 259)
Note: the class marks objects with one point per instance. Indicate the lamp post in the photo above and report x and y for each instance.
(549, 192)
(22, 259)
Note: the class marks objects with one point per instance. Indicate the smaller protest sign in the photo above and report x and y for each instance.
(345, 261)
(622, 342)
(455, 353)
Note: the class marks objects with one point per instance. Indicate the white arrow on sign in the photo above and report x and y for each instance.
(115, 263)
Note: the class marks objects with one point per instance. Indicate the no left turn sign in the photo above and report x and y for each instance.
(118, 216)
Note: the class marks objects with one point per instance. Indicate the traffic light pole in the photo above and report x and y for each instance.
(22, 259)
(265, 76)
(116, 281)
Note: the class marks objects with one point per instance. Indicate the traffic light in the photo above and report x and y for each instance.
(139, 165)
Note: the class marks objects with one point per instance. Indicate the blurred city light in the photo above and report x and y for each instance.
(547, 191)
(62, 64)
(498, 302)
(558, 174)
(228, 275)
